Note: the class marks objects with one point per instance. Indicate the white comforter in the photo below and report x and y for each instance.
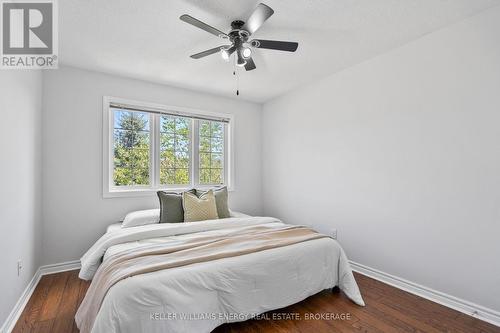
(202, 296)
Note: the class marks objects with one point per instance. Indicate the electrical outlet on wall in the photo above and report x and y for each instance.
(19, 267)
(333, 232)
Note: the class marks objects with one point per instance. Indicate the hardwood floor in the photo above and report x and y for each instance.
(57, 296)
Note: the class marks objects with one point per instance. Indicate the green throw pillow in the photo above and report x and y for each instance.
(220, 201)
(171, 210)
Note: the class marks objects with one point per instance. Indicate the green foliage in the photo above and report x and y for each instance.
(174, 150)
(211, 152)
(131, 149)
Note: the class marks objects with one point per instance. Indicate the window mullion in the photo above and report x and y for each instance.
(155, 143)
(195, 155)
(111, 151)
(225, 157)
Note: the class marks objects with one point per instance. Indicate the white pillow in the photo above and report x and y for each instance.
(141, 217)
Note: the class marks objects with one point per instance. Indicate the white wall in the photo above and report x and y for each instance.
(402, 155)
(75, 214)
(20, 181)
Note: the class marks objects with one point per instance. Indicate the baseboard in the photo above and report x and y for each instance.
(475, 310)
(469, 308)
(11, 320)
(14, 315)
(61, 267)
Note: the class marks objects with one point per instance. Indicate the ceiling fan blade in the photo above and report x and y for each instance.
(250, 65)
(197, 23)
(207, 52)
(260, 14)
(274, 45)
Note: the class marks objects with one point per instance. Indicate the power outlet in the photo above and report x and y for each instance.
(19, 267)
(333, 232)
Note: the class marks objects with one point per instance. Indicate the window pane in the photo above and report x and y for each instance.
(118, 114)
(122, 176)
(167, 141)
(182, 176)
(205, 144)
(217, 128)
(204, 160)
(175, 143)
(205, 128)
(167, 124)
(140, 176)
(131, 148)
(139, 158)
(204, 176)
(216, 176)
(182, 160)
(167, 159)
(130, 139)
(216, 161)
(217, 145)
(181, 143)
(167, 176)
(131, 120)
(211, 152)
(182, 125)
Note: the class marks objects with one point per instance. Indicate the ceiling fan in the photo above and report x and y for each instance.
(239, 38)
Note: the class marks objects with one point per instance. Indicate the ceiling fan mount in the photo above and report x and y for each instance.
(238, 35)
(239, 38)
(237, 24)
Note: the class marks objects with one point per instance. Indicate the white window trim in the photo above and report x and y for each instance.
(111, 191)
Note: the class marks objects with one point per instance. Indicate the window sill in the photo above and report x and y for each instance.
(130, 193)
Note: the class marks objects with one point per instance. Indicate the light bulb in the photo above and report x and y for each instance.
(227, 51)
(246, 52)
(240, 59)
(224, 54)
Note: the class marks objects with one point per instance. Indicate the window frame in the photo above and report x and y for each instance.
(109, 190)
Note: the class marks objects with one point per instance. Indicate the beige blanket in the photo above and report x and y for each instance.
(196, 249)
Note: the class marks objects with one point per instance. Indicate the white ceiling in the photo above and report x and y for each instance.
(146, 40)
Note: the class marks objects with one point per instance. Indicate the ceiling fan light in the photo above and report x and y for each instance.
(224, 54)
(227, 51)
(240, 59)
(246, 52)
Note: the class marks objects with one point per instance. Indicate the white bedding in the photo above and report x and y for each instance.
(215, 292)
(114, 227)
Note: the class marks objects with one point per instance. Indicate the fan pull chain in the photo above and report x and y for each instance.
(237, 84)
(235, 73)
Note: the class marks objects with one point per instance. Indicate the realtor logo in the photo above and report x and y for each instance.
(29, 34)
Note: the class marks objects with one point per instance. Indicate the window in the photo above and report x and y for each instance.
(151, 147)
(211, 152)
(131, 146)
(175, 146)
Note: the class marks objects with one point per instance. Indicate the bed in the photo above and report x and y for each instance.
(167, 294)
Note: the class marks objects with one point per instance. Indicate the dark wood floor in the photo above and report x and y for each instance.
(57, 296)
